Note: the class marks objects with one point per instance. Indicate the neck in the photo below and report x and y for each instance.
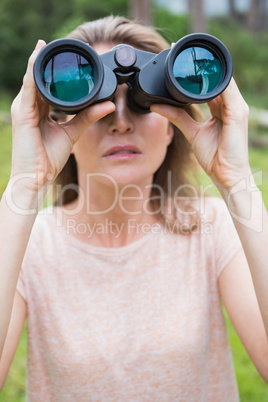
(109, 215)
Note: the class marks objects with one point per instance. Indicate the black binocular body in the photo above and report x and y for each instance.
(70, 75)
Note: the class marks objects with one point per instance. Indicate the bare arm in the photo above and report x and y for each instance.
(249, 298)
(239, 297)
(221, 147)
(15, 328)
(251, 221)
(15, 230)
(41, 148)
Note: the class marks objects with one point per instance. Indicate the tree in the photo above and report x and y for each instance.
(257, 15)
(197, 15)
(23, 22)
(232, 9)
(142, 11)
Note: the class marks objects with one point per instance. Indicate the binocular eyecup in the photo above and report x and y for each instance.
(70, 75)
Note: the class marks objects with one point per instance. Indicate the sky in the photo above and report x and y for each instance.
(212, 7)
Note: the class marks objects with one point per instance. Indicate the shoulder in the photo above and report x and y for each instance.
(206, 230)
(203, 214)
(47, 231)
(45, 221)
(212, 208)
(214, 214)
(215, 211)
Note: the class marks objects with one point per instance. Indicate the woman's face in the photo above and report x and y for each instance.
(125, 145)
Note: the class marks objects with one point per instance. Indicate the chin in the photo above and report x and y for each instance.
(127, 178)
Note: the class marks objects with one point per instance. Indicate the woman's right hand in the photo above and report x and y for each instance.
(42, 146)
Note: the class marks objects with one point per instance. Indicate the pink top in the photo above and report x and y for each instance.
(142, 322)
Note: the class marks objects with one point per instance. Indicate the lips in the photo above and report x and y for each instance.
(122, 150)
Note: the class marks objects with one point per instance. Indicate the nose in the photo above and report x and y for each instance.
(121, 120)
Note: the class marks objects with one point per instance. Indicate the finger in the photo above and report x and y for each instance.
(232, 93)
(230, 104)
(180, 118)
(86, 118)
(224, 99)
(43, 106)
(28, 91)
(215, 106)
(233, 98)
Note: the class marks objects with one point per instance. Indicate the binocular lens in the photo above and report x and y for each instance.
(68, 76)
(197, 70)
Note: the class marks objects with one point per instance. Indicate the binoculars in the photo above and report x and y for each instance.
(70, 75)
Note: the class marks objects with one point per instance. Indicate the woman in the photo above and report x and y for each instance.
(122, 282)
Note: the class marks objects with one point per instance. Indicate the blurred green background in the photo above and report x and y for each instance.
(243, 29)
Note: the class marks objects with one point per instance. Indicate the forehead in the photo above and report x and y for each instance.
(104, 47)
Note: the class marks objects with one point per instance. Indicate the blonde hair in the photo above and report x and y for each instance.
(178, 160)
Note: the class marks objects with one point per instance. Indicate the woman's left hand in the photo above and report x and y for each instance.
(221, 143)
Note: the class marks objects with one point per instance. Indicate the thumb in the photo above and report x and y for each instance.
(86, 117)
(180, 118)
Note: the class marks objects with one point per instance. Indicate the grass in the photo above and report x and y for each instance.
(14, 389)
(5, 155)
(259, 164)
(251, 386)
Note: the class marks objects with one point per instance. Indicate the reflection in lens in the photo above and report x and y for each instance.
(69, 77)
(197, 70)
